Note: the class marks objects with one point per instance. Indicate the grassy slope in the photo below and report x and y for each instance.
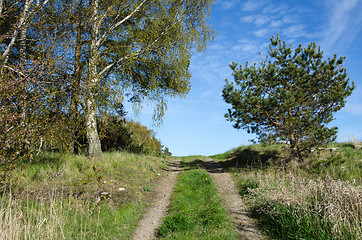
(56, 196)
(319, 199)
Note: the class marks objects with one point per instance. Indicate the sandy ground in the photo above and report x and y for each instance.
(152, 220)
(246, 227)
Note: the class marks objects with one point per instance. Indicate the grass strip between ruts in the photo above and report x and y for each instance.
(196, 211)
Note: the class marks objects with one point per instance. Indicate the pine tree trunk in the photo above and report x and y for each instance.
(294, 149)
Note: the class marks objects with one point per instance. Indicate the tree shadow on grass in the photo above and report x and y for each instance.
(44, 159)
(172, 166)
(195, 164)
(250, 159)
(51, 159)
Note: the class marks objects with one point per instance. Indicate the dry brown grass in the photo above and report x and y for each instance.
(22, 221)
(356, 143)
(339, 202)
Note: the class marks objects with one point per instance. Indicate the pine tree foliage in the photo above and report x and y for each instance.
(291, 98)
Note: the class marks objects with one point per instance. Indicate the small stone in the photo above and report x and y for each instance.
(121, 189)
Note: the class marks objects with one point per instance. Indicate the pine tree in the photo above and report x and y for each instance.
(290, 99)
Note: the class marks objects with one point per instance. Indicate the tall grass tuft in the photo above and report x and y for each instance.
(296, 207)
(30, 220)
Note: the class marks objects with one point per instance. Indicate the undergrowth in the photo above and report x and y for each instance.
(73, 197)
(196, 211)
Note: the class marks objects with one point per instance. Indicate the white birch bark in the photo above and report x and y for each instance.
(94, 145)
(1, 6)
(25, 16)
(21, 23)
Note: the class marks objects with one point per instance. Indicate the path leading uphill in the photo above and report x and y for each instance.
(153, 218)
(246, 227)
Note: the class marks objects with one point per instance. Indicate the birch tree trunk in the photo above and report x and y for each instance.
(20, 25)
(23, 21)
(75, 85)
(22, 61)
(94, 144)
(1, 6)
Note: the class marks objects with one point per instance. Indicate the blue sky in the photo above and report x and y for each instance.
(196, 125)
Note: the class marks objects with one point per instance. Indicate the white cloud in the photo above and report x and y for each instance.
(251, 5)
(207, 94)
(261, 20)
(276, 23)
(290, 18)
(276, 9)
(278, 18)
(257, 19)
(295, 31)
(354, 108)
(216, 47)
(226, 5)
(248, 19)
(263, 32)
(344, 22)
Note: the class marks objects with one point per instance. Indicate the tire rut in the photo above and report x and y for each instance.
(154, 215)
(245, 225)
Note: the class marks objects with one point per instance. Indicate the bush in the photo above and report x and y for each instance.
(114, 135)
(117, 134)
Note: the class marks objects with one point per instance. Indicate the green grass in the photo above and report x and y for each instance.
(55, 197)
(196, 211)
(346, 164)
(287, 222)
(316, 199)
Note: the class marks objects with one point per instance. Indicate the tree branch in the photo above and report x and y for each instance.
(104, 36)
(140, 51)
(23, 20)
(14, 70)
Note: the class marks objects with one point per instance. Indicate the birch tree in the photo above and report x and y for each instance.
(24, 76)
(145, 47)
(29, 8)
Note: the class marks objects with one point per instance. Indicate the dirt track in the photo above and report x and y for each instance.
(153, 218)
(245, 226)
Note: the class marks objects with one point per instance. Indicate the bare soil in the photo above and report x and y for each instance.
(154, 215)
(245, 225)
